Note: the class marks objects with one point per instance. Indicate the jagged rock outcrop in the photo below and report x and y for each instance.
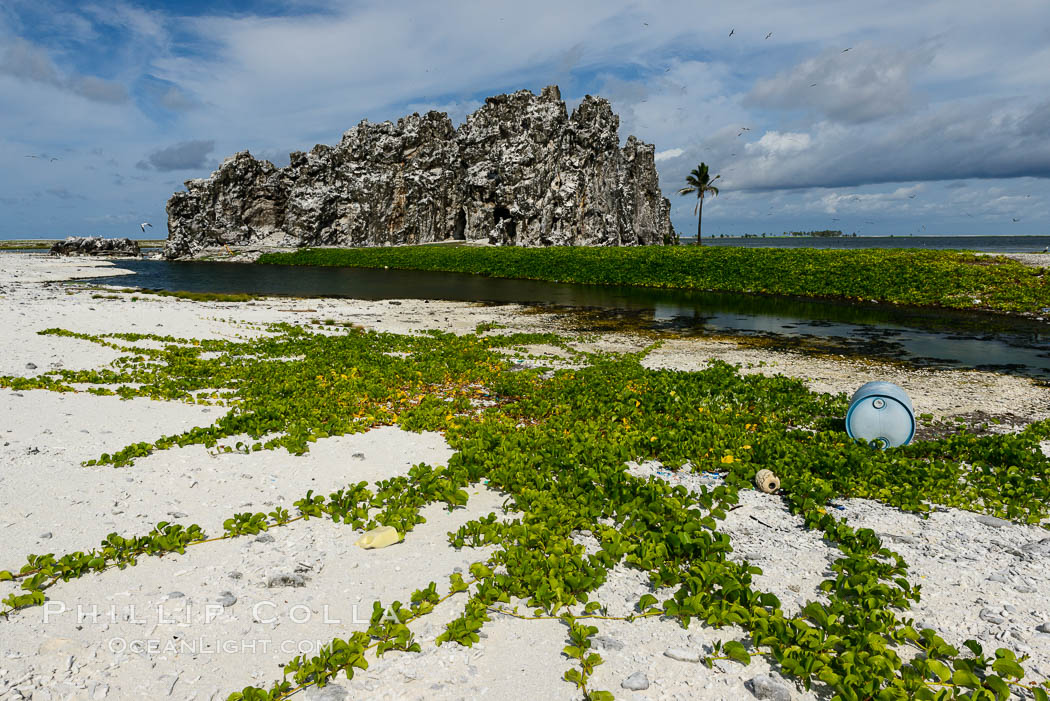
(520, 171)
(95, 246)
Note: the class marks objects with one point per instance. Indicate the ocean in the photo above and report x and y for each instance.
(988, 244)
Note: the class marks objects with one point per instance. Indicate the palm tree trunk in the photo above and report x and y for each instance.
(698, 221)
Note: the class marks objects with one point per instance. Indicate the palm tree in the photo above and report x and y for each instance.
(700, 183)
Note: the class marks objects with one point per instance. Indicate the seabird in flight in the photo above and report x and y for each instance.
(144, 224)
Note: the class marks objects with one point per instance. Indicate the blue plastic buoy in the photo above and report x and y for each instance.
(881, 412)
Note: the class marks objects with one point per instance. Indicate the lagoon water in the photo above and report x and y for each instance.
(943, 338)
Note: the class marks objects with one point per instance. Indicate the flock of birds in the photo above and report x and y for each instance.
(44, 157)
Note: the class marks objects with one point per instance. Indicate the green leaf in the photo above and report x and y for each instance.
(943, 672)
(964, 677)
(736, 652)
(997, 685)
(1007, 668)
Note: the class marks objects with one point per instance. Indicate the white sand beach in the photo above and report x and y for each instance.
(226, 614)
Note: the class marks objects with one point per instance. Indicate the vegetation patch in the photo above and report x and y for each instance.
(192, 296)
(101, 292)
(951, 279)
(556, 443)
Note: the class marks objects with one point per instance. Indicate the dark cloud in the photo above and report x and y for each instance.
(971, 140)
(177, 100)
(865, 84)
(956, 185)
(185, 155)
(23, 60)
(98, 90)
(28, 62)
(570, 59)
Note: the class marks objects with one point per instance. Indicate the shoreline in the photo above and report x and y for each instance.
(965, 565)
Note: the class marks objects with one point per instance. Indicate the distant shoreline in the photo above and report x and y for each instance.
(37, 244)
(858, 236)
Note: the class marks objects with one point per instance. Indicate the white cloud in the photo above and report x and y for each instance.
(668, 154)
(857, 84)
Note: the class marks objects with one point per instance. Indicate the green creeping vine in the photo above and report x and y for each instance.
(580, 637)
(556, 446)
(399, 498)
(43, 571)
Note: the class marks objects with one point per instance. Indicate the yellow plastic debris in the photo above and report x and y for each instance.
(379, 538)
(767, 481)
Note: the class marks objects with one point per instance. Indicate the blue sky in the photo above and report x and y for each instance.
(876, 118)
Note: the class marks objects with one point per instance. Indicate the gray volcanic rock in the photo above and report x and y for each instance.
(95, 246)
(520, 171)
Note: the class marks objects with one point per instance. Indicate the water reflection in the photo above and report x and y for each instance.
(944, 337)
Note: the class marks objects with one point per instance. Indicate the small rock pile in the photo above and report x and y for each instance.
(95, 246)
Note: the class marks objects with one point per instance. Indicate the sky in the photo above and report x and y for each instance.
(929, 118)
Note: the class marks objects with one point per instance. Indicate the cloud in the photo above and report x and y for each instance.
(131, 20)
(28, 62)
(960, 140)
(866, 83)
(570, 59)
(152, 93)
(668, 154)
(98, 90)
(185, 155)
(64, 194)
(935, 91)
(177, 100)
(832, 202)
(23, 60)
(773, 143)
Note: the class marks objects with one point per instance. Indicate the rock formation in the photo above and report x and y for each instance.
(520, 171)
(95, 246)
